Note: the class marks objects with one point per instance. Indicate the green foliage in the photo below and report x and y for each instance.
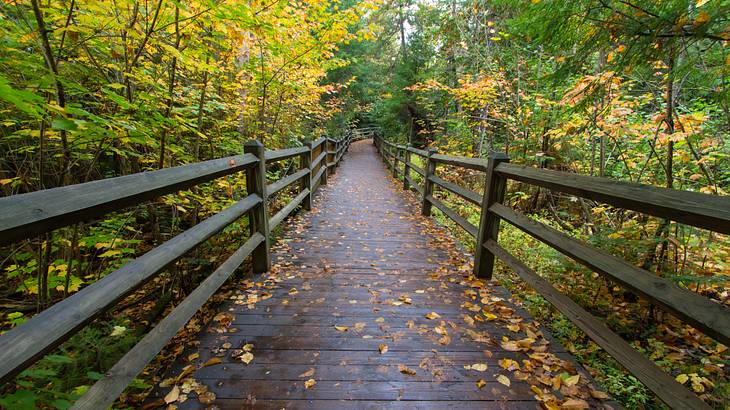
(63, 376)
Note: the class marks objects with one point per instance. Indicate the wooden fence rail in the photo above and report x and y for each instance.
(27, 215)
(709, 212)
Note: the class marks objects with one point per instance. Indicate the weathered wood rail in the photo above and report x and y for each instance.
(27, 215)
(700, 210)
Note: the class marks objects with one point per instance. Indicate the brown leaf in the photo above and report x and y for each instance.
(206, 397)
(308, 373)
(574, 404)
(406, 370)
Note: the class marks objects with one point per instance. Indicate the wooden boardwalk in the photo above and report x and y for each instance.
(369, 306)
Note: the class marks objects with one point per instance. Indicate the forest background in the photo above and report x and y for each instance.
(634, 91)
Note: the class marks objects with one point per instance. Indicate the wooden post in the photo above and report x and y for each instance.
(406, 168)
(325, 160)
(305, 161)
(395, 161)
(427, 183)
(494, 189)
(258, 217)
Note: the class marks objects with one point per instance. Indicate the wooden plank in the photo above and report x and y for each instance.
(417, 169)
(391, 391)
(105, 391)
(277, 186)
(663, 385)
(417, 151)
(460, 220)
(479, 164)
(319, 159)
(316, 143)
(29, 341)
(465, 193)
(282, 154)
(340, 404)
(288, 209)
(317, 179)
(27, 215)
(699, 311)
(711, 212)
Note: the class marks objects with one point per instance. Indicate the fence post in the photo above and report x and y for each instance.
(494, 189)
(406, 168)
(325, 160)
(395, 161)
(427, 183)
(258, 217)
(306, 163)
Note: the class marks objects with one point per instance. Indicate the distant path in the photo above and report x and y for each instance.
(362, 271)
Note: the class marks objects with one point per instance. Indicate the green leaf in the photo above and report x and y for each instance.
(64, 124)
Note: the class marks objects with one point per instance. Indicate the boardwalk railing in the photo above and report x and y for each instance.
(691, 208)
(27, 215)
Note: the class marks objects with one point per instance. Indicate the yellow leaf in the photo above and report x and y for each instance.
(480, 367)
(309, 383)
(481, 383)
(682, 378)
(406, 370)
(172, 395)
(212, 362)
(432, 315)
(702, 18)
(383, 348)
(341, 328)
(503, 379)
(247, 347)
(110, 253)
(246, 357)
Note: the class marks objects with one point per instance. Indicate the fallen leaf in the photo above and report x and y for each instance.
(206, 398)
(309, 383)
(406, 370)
(600, 395)
(193, 356)
(480, 367)
(308, 373)
(432, 315)
(212, 362)
(383, 348)
(247, 347)
(574, 404)
(481, 383)
(503, 379)
(172, 395)
(341, 328)
(572, 380)
(246, 357)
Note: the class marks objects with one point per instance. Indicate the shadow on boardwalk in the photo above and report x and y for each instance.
(370, 305)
